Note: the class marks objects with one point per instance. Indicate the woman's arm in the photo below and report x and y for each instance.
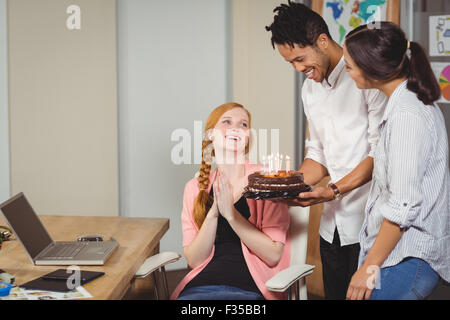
(200, 248)
(406, 162)
(258, 242)
(386, 240)
(363, 281)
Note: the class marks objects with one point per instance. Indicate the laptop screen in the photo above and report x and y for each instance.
(26, 224)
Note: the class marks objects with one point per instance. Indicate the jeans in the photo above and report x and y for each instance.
(411, 279)
(218, 293)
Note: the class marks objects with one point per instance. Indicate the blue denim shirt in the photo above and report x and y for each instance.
(411, 183)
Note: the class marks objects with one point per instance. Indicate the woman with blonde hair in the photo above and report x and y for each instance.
(233, 244)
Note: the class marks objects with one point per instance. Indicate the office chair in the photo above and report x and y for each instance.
(287, 279)
(293, 277)
(155, 263)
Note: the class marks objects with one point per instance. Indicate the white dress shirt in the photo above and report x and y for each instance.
(411, 183)
(343, 131)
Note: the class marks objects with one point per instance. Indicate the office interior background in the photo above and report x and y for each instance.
(90, 117)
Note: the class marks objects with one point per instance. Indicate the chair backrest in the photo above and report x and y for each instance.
(298, 233)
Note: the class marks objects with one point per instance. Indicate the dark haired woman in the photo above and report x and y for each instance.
(406, 231)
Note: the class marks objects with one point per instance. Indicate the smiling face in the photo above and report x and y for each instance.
(312, 61)
(356, 73)
(231, 133)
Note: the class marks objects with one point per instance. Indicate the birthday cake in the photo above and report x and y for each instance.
(282, 184)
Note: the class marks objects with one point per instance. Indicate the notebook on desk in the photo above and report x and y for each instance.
(41, 248)
(62, 280)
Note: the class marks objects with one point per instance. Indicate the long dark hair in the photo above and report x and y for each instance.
(382, 54)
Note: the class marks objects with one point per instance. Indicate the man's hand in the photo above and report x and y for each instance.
(306, 199)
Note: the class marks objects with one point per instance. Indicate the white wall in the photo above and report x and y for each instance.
(172, 71)
(63, 106)
(4, 126)
(262, 80)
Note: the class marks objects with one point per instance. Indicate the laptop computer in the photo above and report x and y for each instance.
(41, 248)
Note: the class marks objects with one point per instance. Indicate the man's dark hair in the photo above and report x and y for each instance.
(296, 23)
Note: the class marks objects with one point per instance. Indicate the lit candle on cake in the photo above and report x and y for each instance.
(263, 161)
(288, 164)
(280, 164)
(271, 164)
(275, 163)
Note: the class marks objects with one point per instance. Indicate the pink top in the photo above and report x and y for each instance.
(269, 217)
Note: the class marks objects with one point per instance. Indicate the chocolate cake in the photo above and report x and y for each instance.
(282, 184)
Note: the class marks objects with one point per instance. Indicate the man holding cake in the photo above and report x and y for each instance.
(343, 133)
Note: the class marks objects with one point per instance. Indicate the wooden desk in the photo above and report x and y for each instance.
(138, 238)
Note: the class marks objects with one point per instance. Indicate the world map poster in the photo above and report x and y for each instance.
(342, 16)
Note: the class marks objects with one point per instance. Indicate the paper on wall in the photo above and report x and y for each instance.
(439, 36)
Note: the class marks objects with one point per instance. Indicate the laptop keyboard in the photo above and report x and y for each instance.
(64, 251)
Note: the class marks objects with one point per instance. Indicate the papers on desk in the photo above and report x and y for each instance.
(17, 293)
